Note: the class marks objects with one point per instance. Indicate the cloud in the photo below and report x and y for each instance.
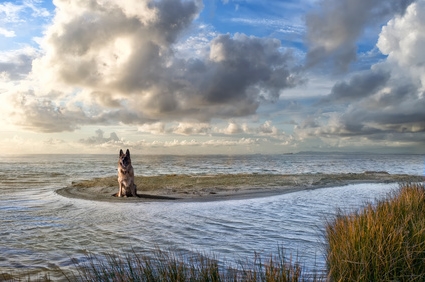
(181, 128)
(16, 65)
(99, 139)
(265, 129)
(361, 85)
(11, 13)
(334, 29)
(41, 114)
(402, 39)
(248, 68)
(234, 128)
(184, 128)
(120, 62)
(293, 30)
(203, 129)
(209, 143)
(153, 128)
(14, 18)
(268, 129)
(196, 44)
(7, 33)
(390, 115)
(386, 102)
(242, 141)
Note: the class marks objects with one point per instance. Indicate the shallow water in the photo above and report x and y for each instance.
(41, 229)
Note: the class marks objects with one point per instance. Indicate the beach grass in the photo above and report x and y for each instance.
(172, 266)
(385, 241)
(167, 266)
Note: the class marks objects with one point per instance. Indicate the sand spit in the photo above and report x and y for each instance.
(222, 186)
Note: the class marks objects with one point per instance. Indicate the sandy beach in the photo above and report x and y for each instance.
(222, 186)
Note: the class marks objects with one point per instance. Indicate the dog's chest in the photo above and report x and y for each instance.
(125, 174)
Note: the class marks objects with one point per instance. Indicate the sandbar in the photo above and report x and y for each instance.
(222, 186)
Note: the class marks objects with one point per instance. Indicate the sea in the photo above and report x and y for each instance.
(41, 231)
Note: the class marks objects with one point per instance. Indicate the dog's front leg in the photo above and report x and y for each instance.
(134, 190)
(120, 189)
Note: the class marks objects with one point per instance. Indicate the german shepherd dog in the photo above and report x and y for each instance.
(127, 188)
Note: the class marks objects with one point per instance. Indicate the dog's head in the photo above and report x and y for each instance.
(124, 159)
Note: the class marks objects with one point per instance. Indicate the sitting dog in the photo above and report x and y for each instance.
(127, 188)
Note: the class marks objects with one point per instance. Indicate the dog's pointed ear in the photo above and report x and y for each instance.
(127, 152)
(121, 153)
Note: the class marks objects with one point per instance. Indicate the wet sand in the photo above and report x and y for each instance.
(222, 186)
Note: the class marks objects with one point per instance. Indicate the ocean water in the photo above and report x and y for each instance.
(41, 230)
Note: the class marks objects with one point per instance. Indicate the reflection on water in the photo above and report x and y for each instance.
(41, 229)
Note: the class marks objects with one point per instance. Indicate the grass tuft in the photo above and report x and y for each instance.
(167, 266)
(383, 242)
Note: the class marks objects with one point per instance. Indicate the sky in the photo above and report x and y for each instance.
(212, 77)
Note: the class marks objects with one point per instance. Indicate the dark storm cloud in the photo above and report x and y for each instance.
(334, 29)
(238, 74)
(404, 116)
(359, 86)
(388, 115)
(241, 62)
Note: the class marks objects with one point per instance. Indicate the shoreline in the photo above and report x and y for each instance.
(204, 188)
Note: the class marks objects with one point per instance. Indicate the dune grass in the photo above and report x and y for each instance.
(383, 242)
(167, 266)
